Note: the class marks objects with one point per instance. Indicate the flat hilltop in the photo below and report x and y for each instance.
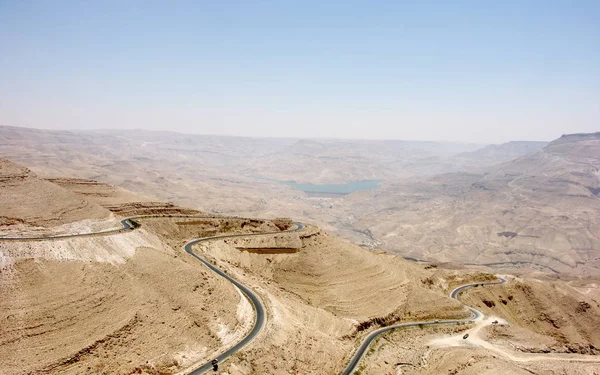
(30, 204)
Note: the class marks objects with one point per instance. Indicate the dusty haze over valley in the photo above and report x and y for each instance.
(526, 205)
(299, 188)
(359, 236)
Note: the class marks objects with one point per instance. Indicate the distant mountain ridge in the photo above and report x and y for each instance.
(548, 201)
(576, 137)
(496, 154)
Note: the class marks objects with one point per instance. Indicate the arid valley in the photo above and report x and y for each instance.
(333, 241)
(299, 187)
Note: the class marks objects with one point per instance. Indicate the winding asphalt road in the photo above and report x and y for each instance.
(130, 224)
(477, 315)
(259, 309)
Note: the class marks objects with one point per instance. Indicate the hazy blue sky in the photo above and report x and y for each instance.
(478, 71)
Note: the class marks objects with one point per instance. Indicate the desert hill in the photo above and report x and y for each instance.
(539, 211)
(322, 297)
(571, 159)
(165, 164)
(121, 202)
(219, 174)
(542, 327)
(73, 305)
(28, 203)
(97, 304)
(497, 154)
(338, 161)
(565, 315)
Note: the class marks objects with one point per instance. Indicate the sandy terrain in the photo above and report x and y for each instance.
(418, 351)
(156, 311)
(538, 212)
(29, 204)
(494, 346)
(321, 300)
(541, 203)
(476, 338)
(72, 306)
(324, 298)
(205, 172)
(568, 319)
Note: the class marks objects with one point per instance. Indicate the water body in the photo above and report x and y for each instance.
(330, 189)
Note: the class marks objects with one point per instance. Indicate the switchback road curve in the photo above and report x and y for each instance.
(130, 223)
(360, 352)
(259, 309)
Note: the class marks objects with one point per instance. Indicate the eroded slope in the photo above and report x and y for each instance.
(28, 203)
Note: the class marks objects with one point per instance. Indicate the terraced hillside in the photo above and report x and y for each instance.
(29, 204)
